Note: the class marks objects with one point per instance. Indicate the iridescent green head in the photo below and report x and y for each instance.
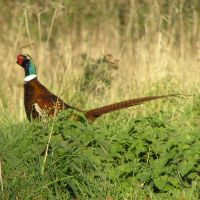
(26, 62)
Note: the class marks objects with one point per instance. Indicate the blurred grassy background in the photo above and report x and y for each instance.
(97, 52)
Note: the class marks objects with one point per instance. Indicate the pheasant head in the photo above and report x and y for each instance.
(26, 62)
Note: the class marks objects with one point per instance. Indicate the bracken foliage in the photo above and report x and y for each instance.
(151, 156)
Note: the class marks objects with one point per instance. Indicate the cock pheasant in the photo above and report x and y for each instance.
(40, 102)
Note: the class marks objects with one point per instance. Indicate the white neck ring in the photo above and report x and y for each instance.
(30, 77)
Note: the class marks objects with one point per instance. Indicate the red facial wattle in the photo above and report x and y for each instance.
(20, 59)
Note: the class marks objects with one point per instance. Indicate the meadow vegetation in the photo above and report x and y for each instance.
(93, 53)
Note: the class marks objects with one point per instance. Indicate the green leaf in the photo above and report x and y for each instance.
(161, 182)
(186, 167)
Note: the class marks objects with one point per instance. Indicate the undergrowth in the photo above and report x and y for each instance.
(149, 157)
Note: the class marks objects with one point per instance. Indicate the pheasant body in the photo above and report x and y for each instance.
(40, 103)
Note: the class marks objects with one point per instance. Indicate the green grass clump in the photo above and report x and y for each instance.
(151, 156)
(98, 74)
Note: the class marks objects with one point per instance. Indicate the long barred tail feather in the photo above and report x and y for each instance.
(95, 113)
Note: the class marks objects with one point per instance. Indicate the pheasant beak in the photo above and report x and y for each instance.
(20, 59)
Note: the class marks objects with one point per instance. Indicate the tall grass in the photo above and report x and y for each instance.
(156, 43)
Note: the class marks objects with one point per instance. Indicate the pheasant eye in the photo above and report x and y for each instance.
(20, 59)
(27, 57)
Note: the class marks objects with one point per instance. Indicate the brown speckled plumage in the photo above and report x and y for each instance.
(37, 96)
(40, 103)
